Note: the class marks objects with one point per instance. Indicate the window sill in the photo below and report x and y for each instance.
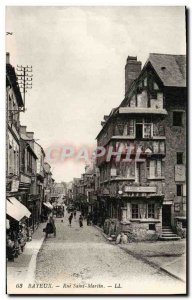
(145, 220)
(156, 178)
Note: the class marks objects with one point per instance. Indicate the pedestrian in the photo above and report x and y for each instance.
(52, 221)
(81, 221)
(88, 219)
(70, 218)
(75, 213)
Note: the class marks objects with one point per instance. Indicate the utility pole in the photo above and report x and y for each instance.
(24, 79)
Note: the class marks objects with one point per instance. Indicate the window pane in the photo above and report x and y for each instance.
(179, 190)
(179, 158)
(158, 168)
(147, 130)
(177, 118)
(135, 211)
(151, 210)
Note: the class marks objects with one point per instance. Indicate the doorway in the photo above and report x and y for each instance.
(166, 215)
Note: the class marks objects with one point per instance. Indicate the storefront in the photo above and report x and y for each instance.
(16, 230)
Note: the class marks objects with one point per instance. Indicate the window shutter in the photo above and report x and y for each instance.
(125, 129)
(130, 128)
(158, 168)
(155, 147)
(143, 210)
(162, 147)
(147, 130)
(184, 190)
(132, 168)
(152, 168)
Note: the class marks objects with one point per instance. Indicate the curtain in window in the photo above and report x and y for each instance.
(143, 210)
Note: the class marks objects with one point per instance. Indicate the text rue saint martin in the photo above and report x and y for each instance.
(49, 285)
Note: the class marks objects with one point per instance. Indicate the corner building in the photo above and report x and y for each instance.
(146, 197)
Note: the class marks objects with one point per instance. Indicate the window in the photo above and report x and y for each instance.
(154, 168)
(177, 118)
(179, 158)
(184, 224)
(135, 211)
(155, 86)
(147, 131)
(151, 211)
(179, 190)
(139, 131)
(152, 227)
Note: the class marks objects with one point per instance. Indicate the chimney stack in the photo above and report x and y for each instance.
(30, 135)
(7, 58)
(132, 71)
(23, 129)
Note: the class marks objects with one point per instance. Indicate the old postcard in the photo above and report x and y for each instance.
(96, 156)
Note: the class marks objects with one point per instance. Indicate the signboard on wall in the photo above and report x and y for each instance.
(140, 189)
(180, 173)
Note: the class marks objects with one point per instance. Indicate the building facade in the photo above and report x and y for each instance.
(143, 189)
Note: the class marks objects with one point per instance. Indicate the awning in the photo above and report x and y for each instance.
(7, 224)
(14, 212)
(48, 204)
(20, 206)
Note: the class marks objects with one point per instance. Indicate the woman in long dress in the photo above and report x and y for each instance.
(81, 221)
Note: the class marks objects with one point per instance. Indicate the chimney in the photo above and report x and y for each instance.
(23, 129)
(30, 135)
(7, 58)
(132, 71)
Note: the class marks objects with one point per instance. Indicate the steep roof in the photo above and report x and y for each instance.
(170, 68)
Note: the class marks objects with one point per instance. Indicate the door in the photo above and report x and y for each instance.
(166, 215)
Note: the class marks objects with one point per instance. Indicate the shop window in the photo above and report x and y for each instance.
(135, 211)
(179, 158)
(152, 227)
(177, 118)
(151, 211)
(179, 190)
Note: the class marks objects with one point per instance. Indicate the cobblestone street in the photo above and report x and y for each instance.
(81, 257)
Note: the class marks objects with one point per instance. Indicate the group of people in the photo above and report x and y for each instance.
(73, 214)
(17, 236)
(51, 228)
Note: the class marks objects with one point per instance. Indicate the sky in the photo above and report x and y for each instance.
(78, 55)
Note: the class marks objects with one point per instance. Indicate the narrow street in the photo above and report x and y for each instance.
(79, 258)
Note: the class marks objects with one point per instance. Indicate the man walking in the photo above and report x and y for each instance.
(81, 221)
(70, 218)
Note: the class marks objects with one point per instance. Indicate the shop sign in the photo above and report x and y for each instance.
(140, 189)
(25, 179)
(14, 185)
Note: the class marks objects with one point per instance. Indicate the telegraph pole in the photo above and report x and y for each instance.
(24, 79)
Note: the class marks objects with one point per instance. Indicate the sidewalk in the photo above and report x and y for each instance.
(169, 256)
(22, 270)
